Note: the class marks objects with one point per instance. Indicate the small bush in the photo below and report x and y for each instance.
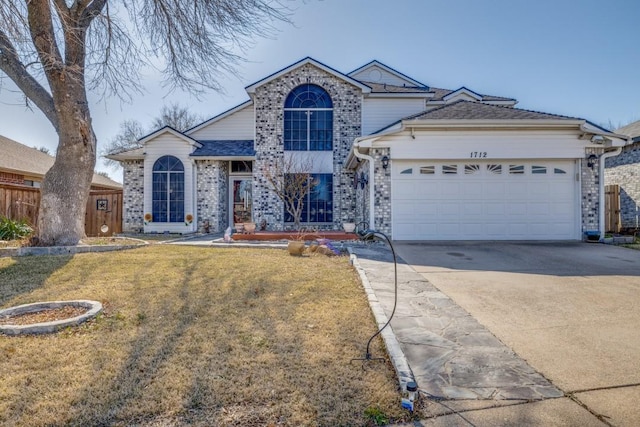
(11, 229)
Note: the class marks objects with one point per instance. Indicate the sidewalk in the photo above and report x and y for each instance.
(466, 374)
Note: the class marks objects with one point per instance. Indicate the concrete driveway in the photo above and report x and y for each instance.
(571, 310)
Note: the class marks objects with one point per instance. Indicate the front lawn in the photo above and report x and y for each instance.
(195, 336)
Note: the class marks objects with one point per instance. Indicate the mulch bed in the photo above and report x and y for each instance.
(47, 315)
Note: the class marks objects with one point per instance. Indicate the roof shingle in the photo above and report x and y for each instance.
(468, 110)
(237, 148)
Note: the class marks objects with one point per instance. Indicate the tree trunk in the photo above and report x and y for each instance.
(66, 185)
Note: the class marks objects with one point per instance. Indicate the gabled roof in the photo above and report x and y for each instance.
(632, 130)
(386, 88)
(218, 117)
(469, 110)
(168, 129)
(308, 60)
(388, 69)
(20, 159)
(463, 91)
(442, 94)
(225, 149)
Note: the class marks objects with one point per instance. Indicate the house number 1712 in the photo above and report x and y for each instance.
(478, 154)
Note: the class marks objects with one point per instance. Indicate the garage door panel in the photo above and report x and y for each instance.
(486, 204)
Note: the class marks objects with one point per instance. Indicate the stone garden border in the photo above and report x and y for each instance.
(67, 250)
(48, 327)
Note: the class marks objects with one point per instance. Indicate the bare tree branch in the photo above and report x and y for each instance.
(290, 179)
(10, 64)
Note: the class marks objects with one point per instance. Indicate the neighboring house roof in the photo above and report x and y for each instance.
(631, 130)
(227, 149)
(21, 159)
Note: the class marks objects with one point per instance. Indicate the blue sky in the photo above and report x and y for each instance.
(579, 58)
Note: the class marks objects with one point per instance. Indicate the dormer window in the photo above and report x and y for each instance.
(308, 119)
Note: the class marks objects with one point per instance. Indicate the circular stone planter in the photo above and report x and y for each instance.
(94, 307)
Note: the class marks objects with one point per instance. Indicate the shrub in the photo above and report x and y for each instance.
(11, 229)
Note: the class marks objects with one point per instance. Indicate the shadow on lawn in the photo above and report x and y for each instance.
(150, 351)
(27, 274)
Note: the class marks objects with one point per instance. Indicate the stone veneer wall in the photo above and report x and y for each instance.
(624, 170)
(269, 103)
(212, 194)
(590, 193)
(382, 191)
(361, 212)
(133, 196)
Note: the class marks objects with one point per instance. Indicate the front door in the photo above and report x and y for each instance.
(241, 199)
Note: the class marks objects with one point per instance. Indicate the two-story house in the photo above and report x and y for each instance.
(414, 161)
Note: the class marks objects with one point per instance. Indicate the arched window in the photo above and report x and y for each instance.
(168, 190)
(308, 119)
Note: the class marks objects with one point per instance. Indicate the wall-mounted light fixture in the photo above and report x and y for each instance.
(592, 160)
(385, 162)
(363, 180)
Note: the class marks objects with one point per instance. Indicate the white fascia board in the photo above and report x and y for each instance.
(167, 129)
(252, 88)
(376, 63)
(124, 157)
(499, 124)
(425, 95)
(611, 139)
(465, 91)
(220, 116)
(247, 158)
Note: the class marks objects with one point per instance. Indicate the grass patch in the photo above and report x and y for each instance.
(195, 336)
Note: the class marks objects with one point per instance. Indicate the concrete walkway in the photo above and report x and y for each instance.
(450, 354)
(466, 374)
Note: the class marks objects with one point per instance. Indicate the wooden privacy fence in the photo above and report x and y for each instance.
(612, 208)
(104, 208)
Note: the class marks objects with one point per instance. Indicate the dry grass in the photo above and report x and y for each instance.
(195, 336)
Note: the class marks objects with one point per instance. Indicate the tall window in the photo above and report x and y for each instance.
(308, 119)
(168, 190)
(318, 203)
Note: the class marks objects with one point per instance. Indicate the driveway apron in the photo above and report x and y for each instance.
(570, 309)
(452, 356)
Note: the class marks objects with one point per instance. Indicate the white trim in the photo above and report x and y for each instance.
(504, 102)
(463, 91)
(172, 131)
(252, 88)
(425, 95)
(376, 63)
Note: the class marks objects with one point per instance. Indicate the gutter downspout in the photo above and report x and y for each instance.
(372, 181)
(601, 201)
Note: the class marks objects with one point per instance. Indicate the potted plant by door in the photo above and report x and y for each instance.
(349, 227)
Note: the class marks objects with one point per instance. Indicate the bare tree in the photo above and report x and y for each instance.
(126, 139)
(55, 51)
(178, 117)
(290, 179)
(131, 130)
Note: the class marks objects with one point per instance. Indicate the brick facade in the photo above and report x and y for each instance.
(590, 194)
(212, 194)
(133, 196)
(269, 111)
(11, 178)
(624, 170)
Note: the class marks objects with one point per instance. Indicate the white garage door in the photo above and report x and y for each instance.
(484, 200)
